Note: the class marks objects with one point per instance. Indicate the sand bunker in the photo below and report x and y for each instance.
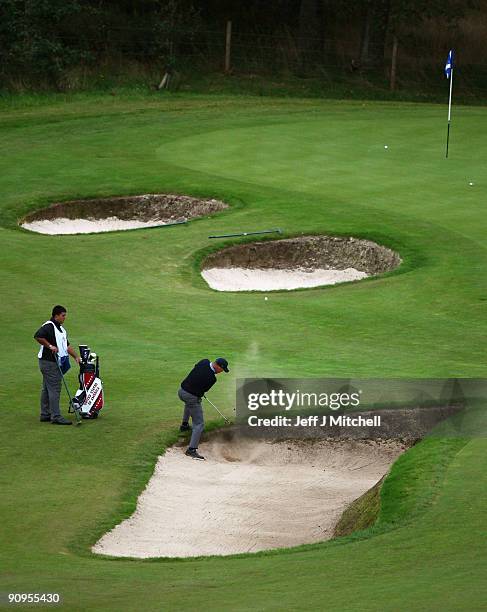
(121, 213)
(248, 495)
(241, 279)
(292, 263)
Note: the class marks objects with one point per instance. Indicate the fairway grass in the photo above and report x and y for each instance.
(137, 298)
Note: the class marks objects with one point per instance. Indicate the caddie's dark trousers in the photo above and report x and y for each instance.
(51, 389)
(193, 409)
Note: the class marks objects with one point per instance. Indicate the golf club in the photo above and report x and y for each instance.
(222, 415)
(72, 407)
(272, 231)
(182, 222)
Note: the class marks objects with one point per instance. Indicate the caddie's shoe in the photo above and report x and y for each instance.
(61, 421)
(45, 419)
(185, 427)
(193, 453)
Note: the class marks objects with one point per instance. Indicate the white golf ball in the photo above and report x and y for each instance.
(266, 298)
(470, 184)
(386, 147)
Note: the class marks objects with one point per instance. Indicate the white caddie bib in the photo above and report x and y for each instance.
(61, 341)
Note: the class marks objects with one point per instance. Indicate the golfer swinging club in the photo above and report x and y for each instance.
(201, 378)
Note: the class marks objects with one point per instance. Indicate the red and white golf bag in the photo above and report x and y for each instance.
(88, 400)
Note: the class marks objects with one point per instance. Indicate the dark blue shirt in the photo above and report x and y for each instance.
(200, 379)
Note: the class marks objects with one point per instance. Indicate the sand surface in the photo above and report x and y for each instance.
(248, 495)
(247, 279)
(86, 226)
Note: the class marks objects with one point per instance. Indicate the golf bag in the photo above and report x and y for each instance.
(88, 400)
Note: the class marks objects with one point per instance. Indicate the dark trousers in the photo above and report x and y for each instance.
(51, 389)
(193, 409)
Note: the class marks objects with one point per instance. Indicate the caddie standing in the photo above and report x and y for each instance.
(53, 359)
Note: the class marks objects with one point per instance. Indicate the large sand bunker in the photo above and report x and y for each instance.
(248, 495)
(120, 213)
(292, 263)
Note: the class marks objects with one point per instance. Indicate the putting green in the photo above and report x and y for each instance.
(137, 298)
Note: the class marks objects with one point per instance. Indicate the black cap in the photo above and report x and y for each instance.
(223, 363)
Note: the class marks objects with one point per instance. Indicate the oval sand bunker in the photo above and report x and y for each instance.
(292, 263)
(120, 213)
(248, 495)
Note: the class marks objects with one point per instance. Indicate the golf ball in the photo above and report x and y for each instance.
(470, 184)
(266, 298)
(386, 147)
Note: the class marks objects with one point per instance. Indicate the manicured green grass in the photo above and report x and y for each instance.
(138, 300)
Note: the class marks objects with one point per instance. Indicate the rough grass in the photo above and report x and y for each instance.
(361, 514)
(410, 487)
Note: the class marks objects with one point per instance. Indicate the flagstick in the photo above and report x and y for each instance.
(449, 112)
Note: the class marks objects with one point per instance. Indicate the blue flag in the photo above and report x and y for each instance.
(449, 64)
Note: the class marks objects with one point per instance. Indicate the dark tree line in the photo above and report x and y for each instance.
(316, 23)
(43, 38)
